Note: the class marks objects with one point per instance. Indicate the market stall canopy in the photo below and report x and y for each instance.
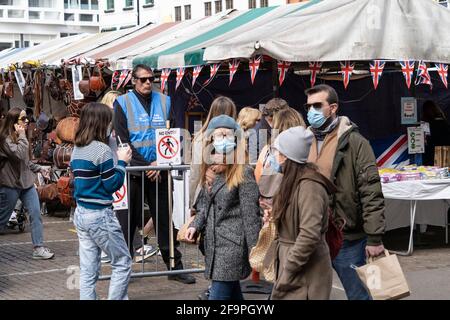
(340, 30)
(187, 50)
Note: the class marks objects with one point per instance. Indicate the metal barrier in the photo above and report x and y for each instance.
(143, 263)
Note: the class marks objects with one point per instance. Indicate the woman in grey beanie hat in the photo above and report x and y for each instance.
(300, 212)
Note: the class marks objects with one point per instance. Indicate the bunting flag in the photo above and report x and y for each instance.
(115, 79)
(180, 75)
(212, 73)
(128, 78)
(283, 67)
(347, 70)
(196, 73)
(408, 71)
(423, 76)
(165, 73)
(314, 67)
(123, 76)
(234, 65)
(376, 69)
(442, 69)
(192, 103)
(254, 66)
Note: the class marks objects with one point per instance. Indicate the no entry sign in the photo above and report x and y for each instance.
(168, 146)
(120, 198)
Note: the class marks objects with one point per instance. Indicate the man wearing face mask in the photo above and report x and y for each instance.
(346, 157)
(137, 115)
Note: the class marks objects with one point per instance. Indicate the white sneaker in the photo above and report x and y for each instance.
(42, 253)
(13, 218)
(147, 252)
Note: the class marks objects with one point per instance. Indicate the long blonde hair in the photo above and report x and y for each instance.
(247, 118)
(110, 97)
(234, 172)
(285, 119)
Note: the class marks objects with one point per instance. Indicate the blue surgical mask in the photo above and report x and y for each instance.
(274, 164)
(224, 146)
(316, 118)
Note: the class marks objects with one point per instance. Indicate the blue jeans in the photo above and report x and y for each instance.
(30, 199)
(100, 230)
(352, 253)
(226, 290)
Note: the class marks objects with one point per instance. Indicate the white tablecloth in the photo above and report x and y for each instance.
(434, 196)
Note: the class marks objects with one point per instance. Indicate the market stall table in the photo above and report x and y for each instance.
(419, 190)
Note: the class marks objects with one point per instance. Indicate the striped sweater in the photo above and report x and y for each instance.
(96, 177)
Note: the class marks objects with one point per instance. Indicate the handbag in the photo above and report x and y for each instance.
(384, 278)
(64, 83)
(28, 94)
(65, 190)
(96, 82)
(84, 84)
(48, 192)
(62, 154)
(257, 257)
(8, 88)
(66, 129)
(334, 235)
(53, 87)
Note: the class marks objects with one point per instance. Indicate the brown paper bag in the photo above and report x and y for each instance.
(384, 278)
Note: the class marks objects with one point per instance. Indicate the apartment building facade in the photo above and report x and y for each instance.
(25, 23)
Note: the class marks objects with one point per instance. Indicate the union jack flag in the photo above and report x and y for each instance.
(347, 70)
(408, 71)
(165, 73)
(442, 69)
(283, 67)
(376, 69)
(180, 75)
(314, 67)
(128, 78)
(254, 66)
(115, 79)
(234, 65)
(391, 152)
(196, 73)
(123, 76)
(213, 70)
(423, 76)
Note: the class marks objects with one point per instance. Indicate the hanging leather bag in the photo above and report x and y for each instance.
(84, 85)
(66, 129)
(97, 83)
(62, 154)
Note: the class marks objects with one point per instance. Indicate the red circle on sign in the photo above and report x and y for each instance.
(165, 143)
(120, 194)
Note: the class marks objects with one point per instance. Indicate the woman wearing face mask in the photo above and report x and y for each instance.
(17, 174)
(227, 210)
(300, 212)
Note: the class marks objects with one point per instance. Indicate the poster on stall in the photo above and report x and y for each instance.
(77, 75)
(416, 140)
(20, 80)
(120, 198)
(409, 110)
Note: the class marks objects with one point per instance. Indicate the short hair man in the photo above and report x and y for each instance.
(346, 157)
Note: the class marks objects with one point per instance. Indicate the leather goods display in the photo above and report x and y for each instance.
(65, 190)
(96, 81)
(28, 94)
(84, 84)
(67, 128)
(53, 88)
(64, 82)
(62, 154)
(8, 88)
(48, 192)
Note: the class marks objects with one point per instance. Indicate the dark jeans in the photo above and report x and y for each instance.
(352, 253)
(226, 290)
(157, 204)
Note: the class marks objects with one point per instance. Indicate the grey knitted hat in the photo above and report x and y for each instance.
(294, 143)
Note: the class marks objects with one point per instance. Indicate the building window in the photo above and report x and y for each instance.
(187, 12)
(69, 17)
(34, 15)
(84, 4)
(218, 5)
(16, 44)
(251, 4)
(41, 3)
(149, 3)
(72, 4)
(129, 3)
(109, 4)
(94, 4)
(177, 13)
(86, 17)
(208, 9)
(7, 2)
(26, 44)
(51, 15)
(264, 3)
(17, 14)
(229, 4)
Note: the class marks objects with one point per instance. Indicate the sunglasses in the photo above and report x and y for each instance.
(317, 105)
(145, 79)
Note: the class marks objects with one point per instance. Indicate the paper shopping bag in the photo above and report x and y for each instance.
(384, 278)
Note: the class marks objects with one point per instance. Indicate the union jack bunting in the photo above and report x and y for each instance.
(254, 66)
(283, 67)
(128, 78)
(234, 65)
(180, 75)
(196, 73)
(347, 70)
(442, 69)
(376, 69)
(423, 76)
(123, 76)
(408, 71)
(314, 67)
(115, 79)
(213, 70)
(165, 73)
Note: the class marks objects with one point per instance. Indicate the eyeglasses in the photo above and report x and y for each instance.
(145, 79)
(317, 105)
(220, 136)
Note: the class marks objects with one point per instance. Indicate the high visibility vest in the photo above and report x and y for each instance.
(141, 125)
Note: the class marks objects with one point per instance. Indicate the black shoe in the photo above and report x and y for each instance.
(183, 278)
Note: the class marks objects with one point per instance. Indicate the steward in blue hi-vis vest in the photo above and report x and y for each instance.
(141, 125)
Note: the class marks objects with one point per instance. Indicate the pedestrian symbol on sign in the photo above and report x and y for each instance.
(168, 147)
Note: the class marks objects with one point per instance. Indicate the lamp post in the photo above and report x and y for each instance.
(138, 13)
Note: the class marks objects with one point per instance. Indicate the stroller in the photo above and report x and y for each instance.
(18, 218)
